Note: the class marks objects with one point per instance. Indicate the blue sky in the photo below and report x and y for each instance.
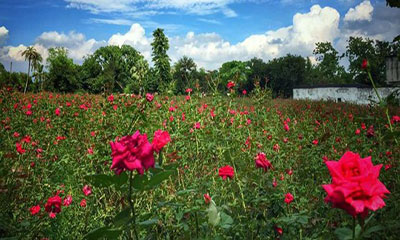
(211, 32)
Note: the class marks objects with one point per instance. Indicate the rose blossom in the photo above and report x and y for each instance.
(226, 171)
(161, 138)
(149, 97)
(34, 210)
(87, 190)
(207, 198)
(288, 198)
(132, 152)
(53, 206)
(262, 161)
(355, 186)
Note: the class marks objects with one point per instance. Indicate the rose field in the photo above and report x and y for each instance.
(77, 166)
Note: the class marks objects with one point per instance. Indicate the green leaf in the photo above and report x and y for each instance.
(148, 222)
(226, 221)
(344, 233)
(139, 182)
(103, 180)
(213, 214)
(182, 192)
(122, 218)
(373, 229)
(103, 232)
(158, 178)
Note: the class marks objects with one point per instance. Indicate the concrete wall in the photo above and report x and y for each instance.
(393, 71)
(343, 94)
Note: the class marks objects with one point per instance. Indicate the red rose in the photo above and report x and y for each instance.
(34, 210)
(83, 203)
(161, 138)
(355, 186)
(230, 85)
(364, 64)
(226, 171)
(288, 198)
(132, 152)
(53, 206)
(67, 201)
(262, 161)
(207, 198)
(188, 90)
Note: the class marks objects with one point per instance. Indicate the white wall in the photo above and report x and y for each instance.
(350, 94)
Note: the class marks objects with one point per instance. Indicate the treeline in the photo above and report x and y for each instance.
(125, 70)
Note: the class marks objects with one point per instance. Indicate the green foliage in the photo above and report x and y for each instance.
(115, 69)
(62, 72)
(329, 70)
(184, 74)
(284, 73)
(33, 58)
(375, 52)
(160, 58)
(235, 71)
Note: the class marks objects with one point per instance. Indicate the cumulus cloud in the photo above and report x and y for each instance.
(210, 50)
(76, 43)
(362, 12)
(3, 34)
(200, 7)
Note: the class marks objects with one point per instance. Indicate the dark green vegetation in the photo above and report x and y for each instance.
(124, 70)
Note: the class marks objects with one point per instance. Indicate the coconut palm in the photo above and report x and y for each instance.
(39, 75)
(33, 57)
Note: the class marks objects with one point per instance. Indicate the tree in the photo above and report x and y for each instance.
(114, 68)
(39, 75)
(258, 73)
(184, 74)
(63, 73)
(284, 73)
(329, 67)
(375, 52)
(33, 57)
(235, 71)
(160, 58)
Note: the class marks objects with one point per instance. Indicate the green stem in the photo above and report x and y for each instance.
(160, 158)
(132, 205)
(354, 228)
(373, 84)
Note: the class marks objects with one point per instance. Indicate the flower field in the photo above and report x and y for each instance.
(157, 167)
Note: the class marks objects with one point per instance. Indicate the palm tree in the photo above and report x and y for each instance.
(39, 75)
(33, 57)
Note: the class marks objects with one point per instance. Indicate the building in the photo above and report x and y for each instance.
(353, 93)
(393, 71)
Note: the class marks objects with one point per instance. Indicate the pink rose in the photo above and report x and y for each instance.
(262, 161)
(132, 153)
(149, 97)
(161, 138)
(87, 190)
(226, 171)
(355, 186)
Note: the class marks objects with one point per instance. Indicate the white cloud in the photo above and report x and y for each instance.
(76, 43)
(362, 12)
(200, 7)
(111, 21)
(3, 34)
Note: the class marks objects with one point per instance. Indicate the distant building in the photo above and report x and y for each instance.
(393, 71)
(353, 93)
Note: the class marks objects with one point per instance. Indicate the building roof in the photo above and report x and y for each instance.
(353, 85)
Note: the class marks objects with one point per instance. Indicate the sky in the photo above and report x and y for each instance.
(210, 32)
